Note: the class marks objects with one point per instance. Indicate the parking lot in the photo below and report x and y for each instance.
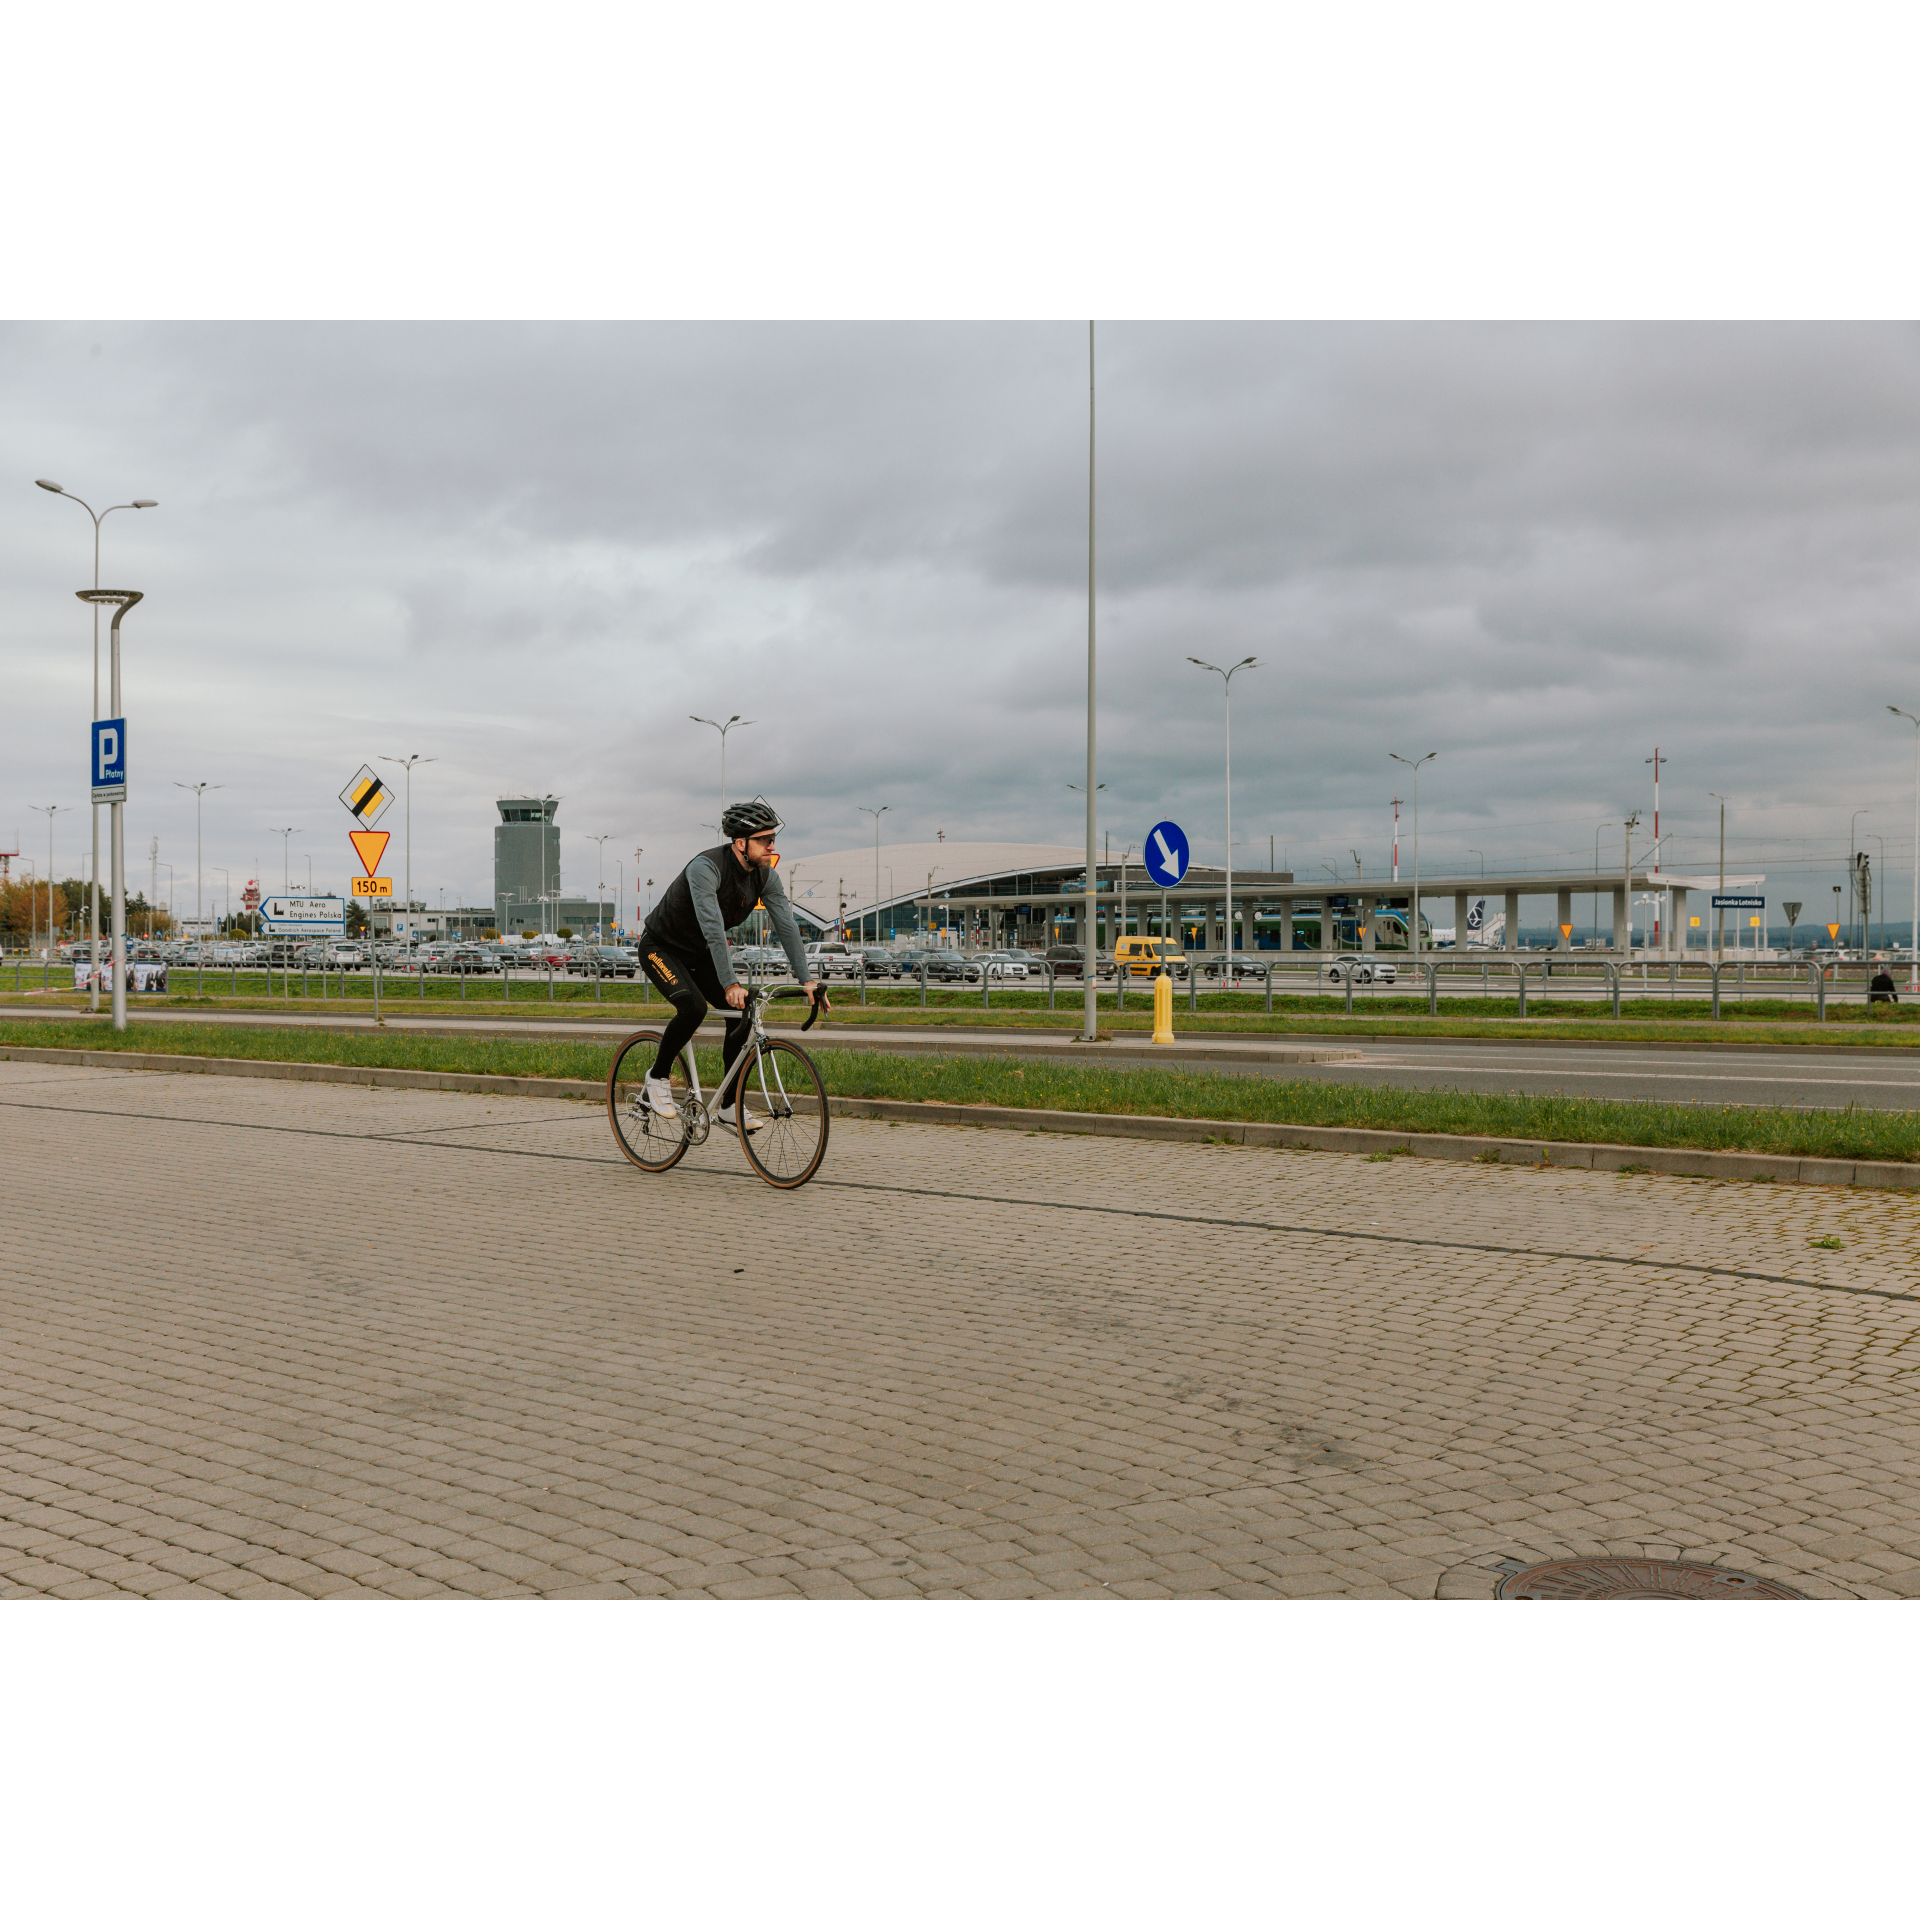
(340, 1342)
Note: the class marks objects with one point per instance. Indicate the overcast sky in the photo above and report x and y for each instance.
(532, 551)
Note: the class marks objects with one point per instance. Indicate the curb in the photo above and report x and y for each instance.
(1685, 1162)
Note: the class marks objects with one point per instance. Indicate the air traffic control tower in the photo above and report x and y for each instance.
(526, 862)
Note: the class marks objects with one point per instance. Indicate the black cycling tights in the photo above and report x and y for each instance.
(690, 982)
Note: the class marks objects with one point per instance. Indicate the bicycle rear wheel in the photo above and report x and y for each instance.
(651, 1141)
(781, 1088)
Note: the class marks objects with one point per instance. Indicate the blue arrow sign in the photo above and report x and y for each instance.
(109, 766)
(1166, 854)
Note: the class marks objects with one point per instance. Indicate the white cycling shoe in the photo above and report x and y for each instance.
(660, 1098)
(727, 1118)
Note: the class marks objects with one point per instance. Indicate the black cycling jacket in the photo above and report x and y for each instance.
(713, 892)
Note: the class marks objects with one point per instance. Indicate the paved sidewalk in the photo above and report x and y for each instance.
(961, 1362)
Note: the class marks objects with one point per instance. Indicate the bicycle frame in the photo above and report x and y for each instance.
(751, 1049)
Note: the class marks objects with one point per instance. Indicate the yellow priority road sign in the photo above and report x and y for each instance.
(372, 887)
(366, 796)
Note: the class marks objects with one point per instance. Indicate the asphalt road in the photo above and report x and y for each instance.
(1723, 1075)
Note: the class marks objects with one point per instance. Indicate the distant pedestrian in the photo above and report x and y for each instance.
(1881, 987)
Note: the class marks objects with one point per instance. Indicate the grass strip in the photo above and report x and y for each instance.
(1853, 1133)
(1759, 1023)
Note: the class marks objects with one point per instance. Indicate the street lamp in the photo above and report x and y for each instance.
(1416, 765)
(876, 812)
(54, 486)
(119, 599)
(1913, 977)
(409, 763)
(199, 790)
(722, 729)
(48, 955)
(1867, 930)
(599, 925)
(1226, 683)
(226, 884)
(1483, 863)
(286, 857)
(1853, 876)
(1720, 913)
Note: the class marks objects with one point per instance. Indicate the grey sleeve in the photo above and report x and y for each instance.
(704, 884)
(773, 896)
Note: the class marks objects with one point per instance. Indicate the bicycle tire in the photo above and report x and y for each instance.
(781, 1087)
(644, 1137)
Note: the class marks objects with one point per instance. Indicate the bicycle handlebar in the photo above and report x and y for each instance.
(786, 993)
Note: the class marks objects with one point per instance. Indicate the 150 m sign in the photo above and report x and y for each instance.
(372, 887)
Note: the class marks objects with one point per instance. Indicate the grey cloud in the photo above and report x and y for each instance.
(538, 548)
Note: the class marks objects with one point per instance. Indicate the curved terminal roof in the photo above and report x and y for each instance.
(957, 866)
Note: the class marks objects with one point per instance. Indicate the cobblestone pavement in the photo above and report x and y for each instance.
(960, 1363)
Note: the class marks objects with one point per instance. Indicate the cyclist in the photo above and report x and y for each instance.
(683, 945)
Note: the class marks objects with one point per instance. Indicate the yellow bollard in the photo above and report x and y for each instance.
(1163, 1008)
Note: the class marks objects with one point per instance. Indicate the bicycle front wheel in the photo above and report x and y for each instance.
(650, 1140)
(781, 1088)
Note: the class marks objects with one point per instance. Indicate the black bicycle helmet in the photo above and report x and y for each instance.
(745, 818)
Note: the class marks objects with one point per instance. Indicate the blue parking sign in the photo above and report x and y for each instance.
(1166, 854)
(109, 768)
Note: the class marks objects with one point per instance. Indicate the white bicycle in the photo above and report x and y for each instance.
(779, 1101)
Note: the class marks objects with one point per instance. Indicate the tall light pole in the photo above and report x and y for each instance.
(1090, 954)
(286, 857)
(1626, 877)
(722, 728)
(226, 883)
(1720, 913)
(199, 789)
(619, 891)
(410, 762)
(50, 812)
(119, 599)
(1226, 681)
(54, 486)
(599, 925)
(1853, 877)
(1414, 930)
(1483, 863)
(1867, 930)
(1913, 976)
(876, 812)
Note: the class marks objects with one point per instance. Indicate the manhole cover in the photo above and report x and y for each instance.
(1608, 1579)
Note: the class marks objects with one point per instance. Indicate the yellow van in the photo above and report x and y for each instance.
(1139, 956)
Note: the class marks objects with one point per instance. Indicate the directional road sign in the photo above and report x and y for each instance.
(109, 764)
(372, 888)
(366, 796)
(1166, 854)
(370, 847)
(314, 913)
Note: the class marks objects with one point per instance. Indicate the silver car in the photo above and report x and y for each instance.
(1364, 973)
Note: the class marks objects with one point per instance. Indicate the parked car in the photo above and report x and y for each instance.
(993, 966)
(1213, 966)
(1364, 972)
(832, 959)
(761, 963)
(611, 961)
(1068, 963)
(881, 963)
